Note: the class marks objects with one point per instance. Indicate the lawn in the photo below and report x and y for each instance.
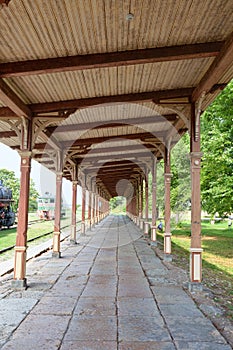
(8, 236)
(217, 244)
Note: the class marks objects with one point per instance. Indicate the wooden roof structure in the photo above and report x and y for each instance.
(108, 83)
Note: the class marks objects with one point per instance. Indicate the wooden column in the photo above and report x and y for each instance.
(154, 210)
(92, 209)
(195, 250)
(89, 209)
(146, 197)
(73, 235)
(21, 236)
(83, 210)
(140, 198)
(57, 221)
(96, 208)
(167, 185)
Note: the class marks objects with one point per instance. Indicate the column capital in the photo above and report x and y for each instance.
(25, 153)
(196, 155)
(168, 177)
(74, 182)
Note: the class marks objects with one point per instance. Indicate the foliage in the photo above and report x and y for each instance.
(9, 180)
(118, 201)
(181, 181)
(217, 165)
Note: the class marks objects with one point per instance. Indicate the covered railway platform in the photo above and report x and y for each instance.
(99, 92)
(109, 292)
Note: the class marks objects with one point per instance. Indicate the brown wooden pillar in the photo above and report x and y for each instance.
(83, 210)
(89, 208)
(96, 208)
(154, 210)
(21, 236)
(140, 198)
(57, 221)
(167, 185)
(73, 235)
(92, 209)
(146, 197)
(195, 250)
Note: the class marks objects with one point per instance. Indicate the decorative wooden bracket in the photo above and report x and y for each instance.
(198, 111)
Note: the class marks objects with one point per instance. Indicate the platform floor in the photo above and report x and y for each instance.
(108, 292)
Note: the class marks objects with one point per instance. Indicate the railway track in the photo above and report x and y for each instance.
(34, 238)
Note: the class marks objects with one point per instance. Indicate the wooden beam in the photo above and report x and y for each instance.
(7, 134)
(111, 59)
(11, 100)
(215, 72)
(118, 156)
(111, 124)
(6, 113)
(154, 96)
(118, 148)
(92, 140)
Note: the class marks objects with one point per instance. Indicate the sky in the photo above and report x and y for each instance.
(44, 179)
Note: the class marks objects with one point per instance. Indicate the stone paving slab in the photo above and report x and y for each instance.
(105, 297)
(152, 345)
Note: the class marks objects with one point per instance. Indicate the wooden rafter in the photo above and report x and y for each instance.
(110, 124)
(216, 70)
(112, 59)
(11, 100)
(154, 96)
(92, 140)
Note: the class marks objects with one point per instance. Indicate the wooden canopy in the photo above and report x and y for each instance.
(108, 84)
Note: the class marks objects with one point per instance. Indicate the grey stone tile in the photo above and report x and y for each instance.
(170, 294)
(181, 310)
(92, 328)
(150, 345)
(142, 329)
(137, 307)
(32, 343)
(196, 329)
(96, 307)
(52, 305)
(202, 346)
(89, 345)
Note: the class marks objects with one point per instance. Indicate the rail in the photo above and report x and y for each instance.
(37, 237)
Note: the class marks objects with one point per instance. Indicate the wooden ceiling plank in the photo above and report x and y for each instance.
(11, 100)
(111, 59)
(155, 96)
(221, 63)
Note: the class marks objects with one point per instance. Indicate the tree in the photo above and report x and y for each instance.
(217, 165)
(181, 180)
(9, 180)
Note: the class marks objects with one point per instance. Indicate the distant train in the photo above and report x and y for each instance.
(46, 207)
(7, 216)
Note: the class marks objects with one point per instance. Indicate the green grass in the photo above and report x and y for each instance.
(217, 258)
(8, 236)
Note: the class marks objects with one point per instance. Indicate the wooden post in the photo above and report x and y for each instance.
(21, 237)
(146, 197)
(89, 208)
(167, 183)
(74, 205)
(83, 210)
(57, 221)
(154, 210)
(196, 249)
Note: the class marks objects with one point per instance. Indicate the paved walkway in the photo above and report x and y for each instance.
(108, 292)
